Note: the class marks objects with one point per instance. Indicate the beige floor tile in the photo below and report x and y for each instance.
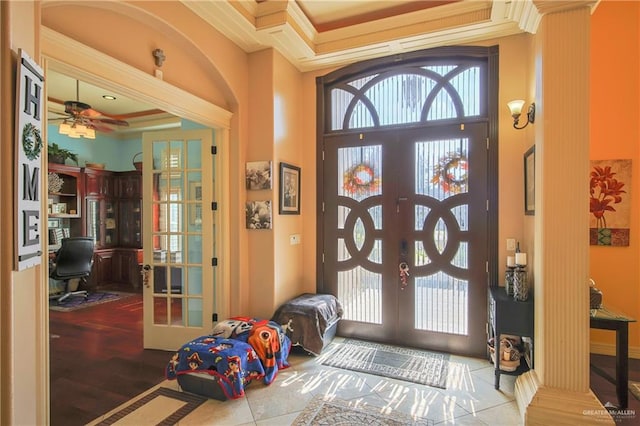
(470, 397)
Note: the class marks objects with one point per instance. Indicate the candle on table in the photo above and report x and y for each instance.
(521, 259)
(511, 261)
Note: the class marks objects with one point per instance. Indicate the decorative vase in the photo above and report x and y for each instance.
(520, 285)
(508, 280)
(57, 159)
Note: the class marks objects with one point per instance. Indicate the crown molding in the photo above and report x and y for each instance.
(283, 26)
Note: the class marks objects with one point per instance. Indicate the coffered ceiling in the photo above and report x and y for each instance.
(315, 34)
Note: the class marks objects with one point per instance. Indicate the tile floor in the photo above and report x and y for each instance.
(470, 398)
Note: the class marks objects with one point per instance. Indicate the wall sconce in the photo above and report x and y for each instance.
(516, 110)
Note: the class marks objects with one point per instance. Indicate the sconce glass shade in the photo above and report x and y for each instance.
(515, 107)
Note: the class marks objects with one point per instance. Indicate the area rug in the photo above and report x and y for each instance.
(634, 388)
(162, 407)
(412, 365)
(340, 412)
(74, 303)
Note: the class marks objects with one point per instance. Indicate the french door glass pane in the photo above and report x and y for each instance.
(441, 300)
(177, 232)
(360, 283)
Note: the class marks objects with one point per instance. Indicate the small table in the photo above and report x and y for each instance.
(509, 316)
(608, 319)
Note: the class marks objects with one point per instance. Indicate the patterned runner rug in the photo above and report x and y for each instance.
(340, 412)
(74, 303)
(411, 365)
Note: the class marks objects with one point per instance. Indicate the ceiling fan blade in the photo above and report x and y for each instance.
(100, 127)
(112, 121)
(93, 114)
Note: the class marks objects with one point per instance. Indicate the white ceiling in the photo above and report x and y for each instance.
(140, 116)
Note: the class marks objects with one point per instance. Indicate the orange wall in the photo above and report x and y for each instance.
(615, 134)
(260, 251)
(288, 148)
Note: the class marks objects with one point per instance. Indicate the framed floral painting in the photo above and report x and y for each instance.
(609, 202)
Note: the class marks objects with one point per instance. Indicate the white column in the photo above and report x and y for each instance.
(557, 392)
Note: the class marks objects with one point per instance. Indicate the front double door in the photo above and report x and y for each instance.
(405, 235)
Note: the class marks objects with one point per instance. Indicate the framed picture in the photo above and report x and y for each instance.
(258, 214)
(289, 189)
(195, 210)
(258, 175)
(530, 181)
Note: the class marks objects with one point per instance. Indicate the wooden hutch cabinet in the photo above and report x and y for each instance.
(130, 209)
(113, 218)
(128, 256)
(101, 211)
(106, 206)
(65, 193)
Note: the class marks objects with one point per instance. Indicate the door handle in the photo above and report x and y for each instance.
(146, 270)
(403, 267)
(398, 203)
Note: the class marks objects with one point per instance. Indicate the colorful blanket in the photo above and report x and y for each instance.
(266, 337)
(234, 363)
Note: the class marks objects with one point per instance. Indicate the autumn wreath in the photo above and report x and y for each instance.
(451, 172)
(360, 179)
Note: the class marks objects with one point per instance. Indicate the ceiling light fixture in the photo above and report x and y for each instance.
(109, 97)
(76, 129)
(515, 107)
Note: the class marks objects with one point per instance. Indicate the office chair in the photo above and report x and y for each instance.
(73, 260)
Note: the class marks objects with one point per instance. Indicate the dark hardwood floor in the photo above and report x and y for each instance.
(98, 363)
(97, 360)
(606, 391)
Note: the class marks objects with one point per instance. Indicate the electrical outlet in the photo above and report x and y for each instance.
(511, 244)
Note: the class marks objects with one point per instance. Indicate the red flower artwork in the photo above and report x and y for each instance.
(604, 191)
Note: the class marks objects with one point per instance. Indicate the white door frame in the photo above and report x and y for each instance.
(67, 56)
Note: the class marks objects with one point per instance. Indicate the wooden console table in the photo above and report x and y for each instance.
(608, 319)
(509, 316)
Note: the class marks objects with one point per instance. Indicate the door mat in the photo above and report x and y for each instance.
(411, 365)
(74, 303)
(339, 412)
(162, 407)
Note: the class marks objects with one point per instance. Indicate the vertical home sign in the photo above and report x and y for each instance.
(29, 115)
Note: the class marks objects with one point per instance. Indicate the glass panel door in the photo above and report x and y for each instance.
(178, 291)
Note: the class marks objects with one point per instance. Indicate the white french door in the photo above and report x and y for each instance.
(178, 227)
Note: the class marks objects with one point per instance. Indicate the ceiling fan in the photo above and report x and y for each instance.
(80, 120)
